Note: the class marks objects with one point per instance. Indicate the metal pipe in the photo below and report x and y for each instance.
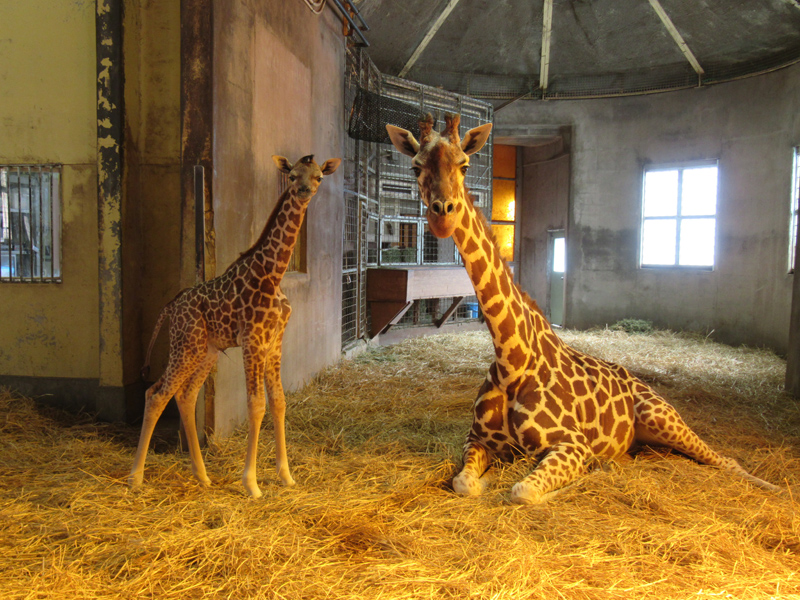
(19, 220)
(364, 25)
(41, 226)
(353, 25)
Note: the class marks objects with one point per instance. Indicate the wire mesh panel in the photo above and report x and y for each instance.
(384, 215)
(360, 235)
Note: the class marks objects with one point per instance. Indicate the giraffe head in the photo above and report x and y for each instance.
(440, 162)
(305, 175)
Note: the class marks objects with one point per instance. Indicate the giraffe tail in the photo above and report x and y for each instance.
(165, 312)
(733, 466)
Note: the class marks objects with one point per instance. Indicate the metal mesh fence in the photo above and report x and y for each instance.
(361, 166)
(384, 216)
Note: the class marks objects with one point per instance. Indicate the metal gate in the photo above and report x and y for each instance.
(384, 216)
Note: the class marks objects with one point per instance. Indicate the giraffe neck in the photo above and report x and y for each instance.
(519, 331)
(275, 245)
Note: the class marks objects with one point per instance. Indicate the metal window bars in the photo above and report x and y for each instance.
(30, 223)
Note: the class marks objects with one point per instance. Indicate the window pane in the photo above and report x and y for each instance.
(559, 255)
(658, 242)
(661, 193)
(697, 242)
(504, 161)
(699, 193)
(504, 234)
(503, 205)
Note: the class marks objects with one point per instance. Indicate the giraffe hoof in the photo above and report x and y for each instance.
(466, 485)
(286, 478)
(135, 481)
(523, 494)
(252, 489)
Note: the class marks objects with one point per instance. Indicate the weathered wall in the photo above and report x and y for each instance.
(279, 73)
(48, 114)
(750, 126)
(152, 235)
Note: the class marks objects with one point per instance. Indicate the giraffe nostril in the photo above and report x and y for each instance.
(450, 207)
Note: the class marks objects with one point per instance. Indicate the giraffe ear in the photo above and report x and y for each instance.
(330, 165)
(476, 138)
(403, 140)
(283, 164)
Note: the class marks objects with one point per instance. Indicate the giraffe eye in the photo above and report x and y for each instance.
(292, 178)
(464, 169)
(416, 170)
(319, 179)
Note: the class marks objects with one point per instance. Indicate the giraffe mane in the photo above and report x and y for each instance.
(264, 232)
(493, 239)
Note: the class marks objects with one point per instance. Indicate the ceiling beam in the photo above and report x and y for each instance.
(547, 29)
(428, 37)
(682, 46)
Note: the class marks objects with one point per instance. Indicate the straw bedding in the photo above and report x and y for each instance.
(374, 444)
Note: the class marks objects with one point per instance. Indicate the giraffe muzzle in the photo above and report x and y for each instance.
(441, 209)
(442, 218)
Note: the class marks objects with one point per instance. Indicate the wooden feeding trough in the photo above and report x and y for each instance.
(392, 291)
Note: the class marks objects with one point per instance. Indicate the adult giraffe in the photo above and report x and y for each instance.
(540, 396)
(242, 307)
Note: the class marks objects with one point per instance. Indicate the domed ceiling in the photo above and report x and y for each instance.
(509, 49)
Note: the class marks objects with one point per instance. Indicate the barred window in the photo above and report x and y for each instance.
(30, 223)
(679, 216)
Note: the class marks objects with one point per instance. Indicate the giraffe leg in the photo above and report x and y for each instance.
(156, 399)
(658, 423)
(563, 463)
(476, 461)
(488, 419)
(277, 406)
(256, 407)
(186, 399)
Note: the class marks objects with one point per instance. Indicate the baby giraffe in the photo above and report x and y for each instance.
(242, 307)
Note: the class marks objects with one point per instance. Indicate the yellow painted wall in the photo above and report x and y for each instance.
(48, 114)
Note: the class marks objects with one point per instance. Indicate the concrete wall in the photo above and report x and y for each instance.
(48, 115)
(279, 72)
(750, 126)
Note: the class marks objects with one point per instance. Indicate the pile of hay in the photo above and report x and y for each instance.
(373, 445)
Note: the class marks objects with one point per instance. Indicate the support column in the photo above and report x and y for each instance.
(198, 240)
(110, 403)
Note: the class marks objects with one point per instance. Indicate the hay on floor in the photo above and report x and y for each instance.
(373, 445)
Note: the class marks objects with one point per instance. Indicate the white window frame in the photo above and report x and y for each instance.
(794, 215)
(678, 218)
